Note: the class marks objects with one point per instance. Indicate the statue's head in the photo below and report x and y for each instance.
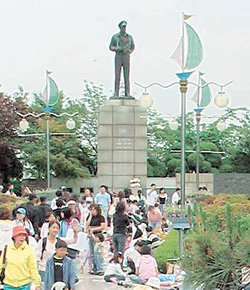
(122, 25)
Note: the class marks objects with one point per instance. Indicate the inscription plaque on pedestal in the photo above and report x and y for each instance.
(124, 144)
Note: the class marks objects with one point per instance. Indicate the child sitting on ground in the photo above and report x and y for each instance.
(60, 268)
(113, 272)
(147, 267)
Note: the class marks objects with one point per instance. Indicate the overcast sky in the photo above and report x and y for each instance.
(71, 38)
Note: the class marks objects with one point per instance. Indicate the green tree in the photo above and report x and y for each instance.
(71, 155)
(234, 142)
(10, 166)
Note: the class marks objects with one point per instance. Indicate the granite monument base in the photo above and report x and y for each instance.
(122, 143)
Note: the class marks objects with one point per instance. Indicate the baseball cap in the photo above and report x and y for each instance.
(21, 210)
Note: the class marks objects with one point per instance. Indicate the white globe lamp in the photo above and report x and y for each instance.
(221, 100)
(173, 124)
(221, 126)
(146, 100)
(70, 124)
(23, 125)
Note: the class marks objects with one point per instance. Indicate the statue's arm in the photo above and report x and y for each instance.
(113, 44)
(132, 46)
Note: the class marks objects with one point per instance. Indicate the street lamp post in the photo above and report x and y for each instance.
(183, 88)
(221, 101)
(24, 125)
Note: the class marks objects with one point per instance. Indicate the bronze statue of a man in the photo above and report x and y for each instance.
(123, 45)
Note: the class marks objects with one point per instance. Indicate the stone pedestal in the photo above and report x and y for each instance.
(122, 143)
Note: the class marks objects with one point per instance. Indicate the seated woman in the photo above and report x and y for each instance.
(147, 267)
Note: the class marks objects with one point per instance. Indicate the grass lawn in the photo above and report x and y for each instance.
(168, 250)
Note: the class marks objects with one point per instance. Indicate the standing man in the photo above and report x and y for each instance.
(103, 199)
(152, 195)
(123, 45)
(176, 197)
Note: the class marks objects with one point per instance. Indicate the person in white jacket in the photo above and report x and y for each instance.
(6, 225)
(113, 272)
(22, 220)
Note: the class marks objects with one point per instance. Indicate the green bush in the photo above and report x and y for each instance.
(168, 250)
(218, 246)
(10, 202)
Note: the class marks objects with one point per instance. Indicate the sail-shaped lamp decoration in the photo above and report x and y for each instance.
(190, 57)
(202, 97)
(51, 93)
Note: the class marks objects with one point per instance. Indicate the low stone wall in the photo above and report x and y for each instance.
(232, 183)
(34, 184)
(216, 183)
(206, 179)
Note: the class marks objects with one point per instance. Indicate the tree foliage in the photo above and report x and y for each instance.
(10, 166)
(75, 155)
(72, 155)
(234, 142)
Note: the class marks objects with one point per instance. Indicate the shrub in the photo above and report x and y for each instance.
(10, 202)
(218, 247)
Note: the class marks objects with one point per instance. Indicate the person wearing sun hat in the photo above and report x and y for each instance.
(20, 263)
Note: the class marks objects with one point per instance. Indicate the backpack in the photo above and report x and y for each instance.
(44, 243)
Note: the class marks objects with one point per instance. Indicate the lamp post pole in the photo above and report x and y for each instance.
(198, 119)
(48, 151)
(183, 89)
(47, 115)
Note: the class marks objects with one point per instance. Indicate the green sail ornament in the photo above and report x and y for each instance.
(189, 52)
(205, 95)
(53, 92)
(194, 48)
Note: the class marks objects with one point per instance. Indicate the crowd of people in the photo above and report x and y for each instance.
(36, 238)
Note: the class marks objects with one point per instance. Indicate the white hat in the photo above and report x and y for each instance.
(71, 202)
(89, 199)
(154, 282)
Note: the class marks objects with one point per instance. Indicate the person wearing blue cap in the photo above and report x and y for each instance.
(123, 45)
(21, 219)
